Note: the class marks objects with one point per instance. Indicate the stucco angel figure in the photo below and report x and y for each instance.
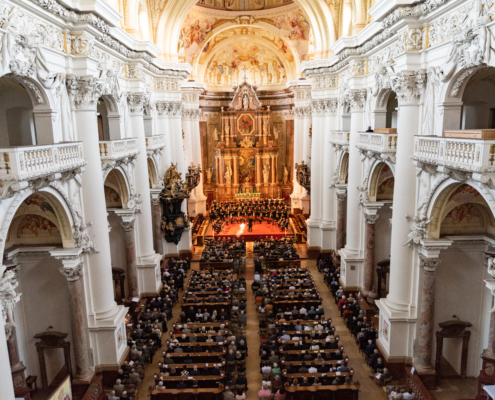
(472, 42)
(419, 230)
(8, 296)
(286, 175)
(215, 134)
(266, 173)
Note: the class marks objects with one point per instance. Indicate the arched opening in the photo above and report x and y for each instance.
(102, 115)
(478, 101)
(152, 173)
(460, 213)
(40, 224)
(392, 104)
(16, 115)
(344, 169)
(381, 193)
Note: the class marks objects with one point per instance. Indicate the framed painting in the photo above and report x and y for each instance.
(245, 124)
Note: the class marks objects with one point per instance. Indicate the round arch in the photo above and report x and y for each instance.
(201, 68)
(175, 12)
(441, 203)
(120, 183)
(378, 176)
(61, 213)
(342, 168)
(152, 173)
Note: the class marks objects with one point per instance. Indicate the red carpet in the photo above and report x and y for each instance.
(260, 231)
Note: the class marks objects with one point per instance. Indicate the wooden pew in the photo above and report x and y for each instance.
(334, 392)
(186, 394)
(216, 265)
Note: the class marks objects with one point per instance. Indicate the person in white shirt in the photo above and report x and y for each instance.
(315, 346)
(266, 369)
(303, 311)
(395, 394)
(312, 369)
(409, 395)
(307, 328)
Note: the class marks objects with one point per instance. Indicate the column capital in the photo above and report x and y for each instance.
(341, 194)
(409, 86)
(431, 248)
(128, 218)
(163, 107)
(370, 218)
(429, 264)
(356, 99)
(73, 273)
(84, 91)
(70, 258)
(137, 102)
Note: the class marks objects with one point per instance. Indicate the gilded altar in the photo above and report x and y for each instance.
(247, 151)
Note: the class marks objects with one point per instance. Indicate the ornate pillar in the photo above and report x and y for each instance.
(163, 111)
(236, 173)
(259, 181)
(137, 102)
(73, 270)
(370, 217)
(276, 169)
(341, 194)
(272, 168)
(156, 214)
(408, 86)
(422, 362)
(128, 219)
(84, 93)
(13, 373)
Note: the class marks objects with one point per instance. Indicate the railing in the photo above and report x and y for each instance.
(155, 142)
(414, 382)
(340, 138)
(29, 162)
(474, 155)
(378, 142)
(116, 149)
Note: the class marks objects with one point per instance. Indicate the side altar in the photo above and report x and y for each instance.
(246, 154)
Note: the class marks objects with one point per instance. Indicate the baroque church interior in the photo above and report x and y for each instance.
(247, 199)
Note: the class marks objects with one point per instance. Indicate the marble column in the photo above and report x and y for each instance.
(369, 259)
(128, 219)
(84, 92)
(341, 194)
(5, 370)
(422, 361)
(137, 102)
(73, 270)
(163, 110)
(259, 181)
(408, 87)
(156, 213)
(236, 173)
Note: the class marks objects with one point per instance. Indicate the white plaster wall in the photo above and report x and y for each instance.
(44, 303)
(460, 291)
(117, 244)
(16, 119)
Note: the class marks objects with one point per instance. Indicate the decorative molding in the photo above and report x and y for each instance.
(72, 274)
(429, 264)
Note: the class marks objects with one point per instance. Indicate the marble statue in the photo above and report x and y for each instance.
(266, 173)
(286, 175)
(208, 174)
(215, 134)
(227, 130)
(228, 175)
(245, 102)
(275, 133)
(8, 297)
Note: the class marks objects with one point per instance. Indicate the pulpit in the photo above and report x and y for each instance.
(52, 340)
